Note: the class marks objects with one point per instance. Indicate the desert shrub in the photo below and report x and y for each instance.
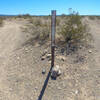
(74, 32)
(19, 16)
(92, 17)
(39, 28)
(25, 16)
(98, 17)
(1, 21)
(44, 33)
(35, 21)
(63, 15)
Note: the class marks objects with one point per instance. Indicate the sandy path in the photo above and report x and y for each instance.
(95, 63)
(95, 30)
(10, 39)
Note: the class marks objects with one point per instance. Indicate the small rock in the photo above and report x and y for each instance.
(48, 55)
(80, 47)
(61, 58)
(76, 92)
(62, 50)
(43, 71)
(36, 88)
(90, 51)
(59, 88)
(26, 50)
(59, 72)
(55, 72)
(43, 58)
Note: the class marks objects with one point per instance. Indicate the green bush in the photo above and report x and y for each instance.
(74, 31)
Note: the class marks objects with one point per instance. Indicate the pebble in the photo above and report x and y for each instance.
(61, 58)
(59, 88)
(90, 51)
(43, 71)
(76, 92)
(36, 88)
(55, 72)
(43, 58)
(48, 55)
(62, 50)
(26, 49)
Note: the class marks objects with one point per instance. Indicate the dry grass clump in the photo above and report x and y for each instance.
(40, 28)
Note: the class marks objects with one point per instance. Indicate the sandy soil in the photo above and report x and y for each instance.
(21, 68)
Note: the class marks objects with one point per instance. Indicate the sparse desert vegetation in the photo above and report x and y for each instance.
(70, 30)
(25, 58)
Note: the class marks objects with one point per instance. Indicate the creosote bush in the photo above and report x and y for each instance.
(74, 32)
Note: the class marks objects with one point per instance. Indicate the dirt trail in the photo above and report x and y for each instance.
(95, 30)
(95, 62)
(10, 39)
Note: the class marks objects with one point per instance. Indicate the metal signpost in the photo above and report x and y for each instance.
(53, 29)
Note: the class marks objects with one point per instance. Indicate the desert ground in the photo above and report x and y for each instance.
(21, 66)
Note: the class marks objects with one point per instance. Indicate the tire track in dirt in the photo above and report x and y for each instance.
(10, 39)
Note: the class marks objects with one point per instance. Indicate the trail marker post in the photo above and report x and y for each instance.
(53, 30)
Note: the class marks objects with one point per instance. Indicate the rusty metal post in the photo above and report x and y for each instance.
(53, 30)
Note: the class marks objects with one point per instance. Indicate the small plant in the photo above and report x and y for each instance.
(39, 28)
(37, 22)
(74, 31)
(44, 33)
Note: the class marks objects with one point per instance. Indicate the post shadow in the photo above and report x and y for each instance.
(45, 85)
